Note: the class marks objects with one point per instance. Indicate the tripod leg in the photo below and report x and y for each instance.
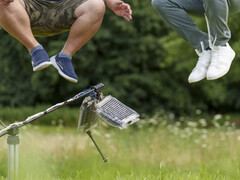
(16, 160)
(90, 135)
(10, 162)
(13, 142)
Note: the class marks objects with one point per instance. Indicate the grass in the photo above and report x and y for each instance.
(193, 148)
(144, 152)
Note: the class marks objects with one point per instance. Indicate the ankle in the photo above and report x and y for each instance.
(64, 55)
(35, 49)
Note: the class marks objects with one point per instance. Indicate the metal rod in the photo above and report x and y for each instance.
(99, 150)
(86, 92)
(10, 162)
(13, 142)
(16, 155)
(13, 130)
(13, 162)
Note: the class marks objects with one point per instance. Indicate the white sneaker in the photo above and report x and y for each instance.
(200, 70)
(222, 57)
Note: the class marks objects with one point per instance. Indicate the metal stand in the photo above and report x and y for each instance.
(99, 150)
(13, 142)
(12, 130)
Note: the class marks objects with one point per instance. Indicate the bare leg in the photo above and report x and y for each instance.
(89, 19)
(14, 19)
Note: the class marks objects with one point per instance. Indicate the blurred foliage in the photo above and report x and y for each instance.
(143, 63)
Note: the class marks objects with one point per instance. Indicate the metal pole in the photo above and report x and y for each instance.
(13, 130)
(13, 142)
(97, 88)
(99, 150)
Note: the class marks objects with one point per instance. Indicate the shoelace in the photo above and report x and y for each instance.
(202, 60)
(215, 57)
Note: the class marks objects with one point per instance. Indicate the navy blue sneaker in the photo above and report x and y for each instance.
(40, 59)
(62, 62)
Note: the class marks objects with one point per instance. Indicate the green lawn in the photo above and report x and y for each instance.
(143, 153)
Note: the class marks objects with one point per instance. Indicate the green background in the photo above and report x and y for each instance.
(143, 63)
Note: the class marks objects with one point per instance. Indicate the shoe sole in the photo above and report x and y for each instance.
(42, 66)
(52, 59)
(225, 72)
(196, 80)
(217, 77)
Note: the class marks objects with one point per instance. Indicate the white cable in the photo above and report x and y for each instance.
(211, 44)
(209, 31)
(3, 123)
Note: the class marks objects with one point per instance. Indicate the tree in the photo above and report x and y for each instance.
(143, 63)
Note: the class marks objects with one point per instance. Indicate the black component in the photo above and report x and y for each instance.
(86, 92)
(99, 87)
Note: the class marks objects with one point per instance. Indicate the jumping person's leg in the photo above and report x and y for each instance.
(217, 12)
(176, 14)
(89, 19)
(14, 19)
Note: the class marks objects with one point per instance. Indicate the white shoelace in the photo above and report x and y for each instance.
(203, 57)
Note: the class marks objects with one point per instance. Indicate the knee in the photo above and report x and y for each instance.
(215, 7)
(100, 9)
(160, 5)
(97, 9)
(11, 9)
(5, 11)
(155, 3)
(4, 8)
(93, 10)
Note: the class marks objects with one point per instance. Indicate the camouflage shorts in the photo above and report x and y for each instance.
(51, 17)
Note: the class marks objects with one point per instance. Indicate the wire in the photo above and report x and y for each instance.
(3, 123)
